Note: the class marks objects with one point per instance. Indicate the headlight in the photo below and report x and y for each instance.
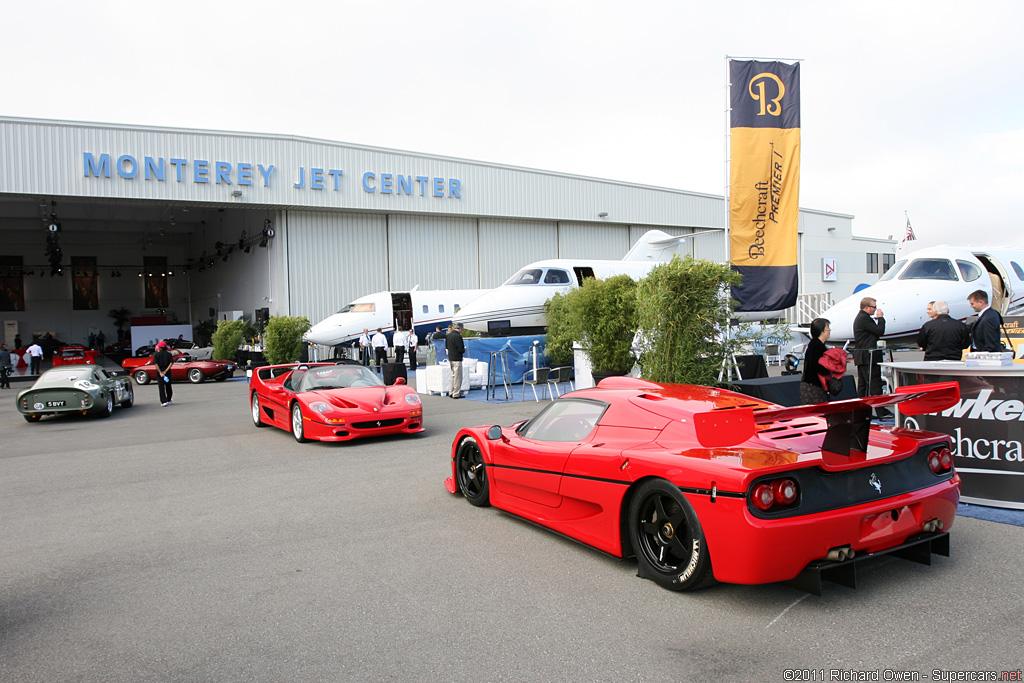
(320, 407)
(412, 399)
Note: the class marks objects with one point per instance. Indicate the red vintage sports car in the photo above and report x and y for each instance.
(703, 484)
(185, 367)
(131, 363)
(332, 402)
(74, 354)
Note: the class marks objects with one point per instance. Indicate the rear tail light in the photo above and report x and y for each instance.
(775, 493)
(940, 460)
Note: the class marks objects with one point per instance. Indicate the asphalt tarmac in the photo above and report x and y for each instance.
(184, 544)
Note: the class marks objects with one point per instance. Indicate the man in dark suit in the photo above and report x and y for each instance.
(456, 348)
(868, 328)
(985, 333)
(943, 337)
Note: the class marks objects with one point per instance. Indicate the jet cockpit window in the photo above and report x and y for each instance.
(893, 271)
(556, 276)
(359, 308)
(526, 276)
(929, 269)
(968, 271)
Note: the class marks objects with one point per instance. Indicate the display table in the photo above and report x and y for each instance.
(987, 426)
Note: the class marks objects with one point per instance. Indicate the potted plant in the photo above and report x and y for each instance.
(228, 337)
(684, 308)
(283, 338)
(601, 316)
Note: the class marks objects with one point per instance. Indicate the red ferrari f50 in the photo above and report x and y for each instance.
(332, 402)
(703, 484)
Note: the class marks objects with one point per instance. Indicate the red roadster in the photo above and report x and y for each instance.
(703, 484)
(330, 402)
(185, 367)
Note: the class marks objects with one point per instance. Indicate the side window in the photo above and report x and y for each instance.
(426, 309)
(968, 271)
(440, 308)
(887, 262)
(1017, 269)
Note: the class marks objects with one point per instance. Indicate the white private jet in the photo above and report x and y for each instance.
(942, 273)
(424, 309)
(517, 306)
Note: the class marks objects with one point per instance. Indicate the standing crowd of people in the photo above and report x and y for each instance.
(942, 337)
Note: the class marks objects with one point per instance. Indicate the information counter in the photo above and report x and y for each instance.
(987, 426)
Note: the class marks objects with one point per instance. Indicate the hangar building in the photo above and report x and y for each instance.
(196, 224)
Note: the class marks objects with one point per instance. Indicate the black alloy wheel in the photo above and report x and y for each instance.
(471, 473)
(667, 538)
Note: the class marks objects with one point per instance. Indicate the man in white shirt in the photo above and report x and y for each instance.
(398, 341)
(35, 355)
(380, 347)
(411, 342)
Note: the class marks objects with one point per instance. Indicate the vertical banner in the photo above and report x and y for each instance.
(83, 285)
(12, 284)
(155, 274)
(764, 181)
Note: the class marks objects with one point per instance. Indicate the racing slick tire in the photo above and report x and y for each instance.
(298, 429)
(196, 376)
(142, 377)
(471, 473)
(667, 538)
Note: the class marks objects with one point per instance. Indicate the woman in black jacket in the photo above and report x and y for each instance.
(811, 388)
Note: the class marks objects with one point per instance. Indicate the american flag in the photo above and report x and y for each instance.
(910, 232)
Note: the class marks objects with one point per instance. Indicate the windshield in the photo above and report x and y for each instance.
(536, 276)
(334, 377)
(893, 272)
(359, 308)
(526, 276)
(929, 269)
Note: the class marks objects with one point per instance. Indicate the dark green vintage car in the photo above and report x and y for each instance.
(85, 389)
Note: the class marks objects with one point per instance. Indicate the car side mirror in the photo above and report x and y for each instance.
(493, 433)
(399, 380)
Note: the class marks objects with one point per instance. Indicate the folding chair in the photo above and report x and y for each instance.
(535, 377)
(560, 375)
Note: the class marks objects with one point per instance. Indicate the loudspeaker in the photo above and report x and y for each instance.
(262, 316)
(393, 371)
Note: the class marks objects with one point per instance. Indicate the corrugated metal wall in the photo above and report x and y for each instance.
(434, 252)
(333, 258)
(590, 241)
(508, 245)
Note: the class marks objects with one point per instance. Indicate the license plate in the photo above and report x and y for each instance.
(55, 404)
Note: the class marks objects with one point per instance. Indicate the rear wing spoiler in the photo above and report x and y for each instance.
(848, 421)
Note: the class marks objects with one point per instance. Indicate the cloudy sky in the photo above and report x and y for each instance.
(908, 106)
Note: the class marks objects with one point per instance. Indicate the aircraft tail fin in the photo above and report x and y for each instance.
(656, 245)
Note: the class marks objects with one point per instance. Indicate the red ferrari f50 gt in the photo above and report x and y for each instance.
(703, 484)
(332, 402)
